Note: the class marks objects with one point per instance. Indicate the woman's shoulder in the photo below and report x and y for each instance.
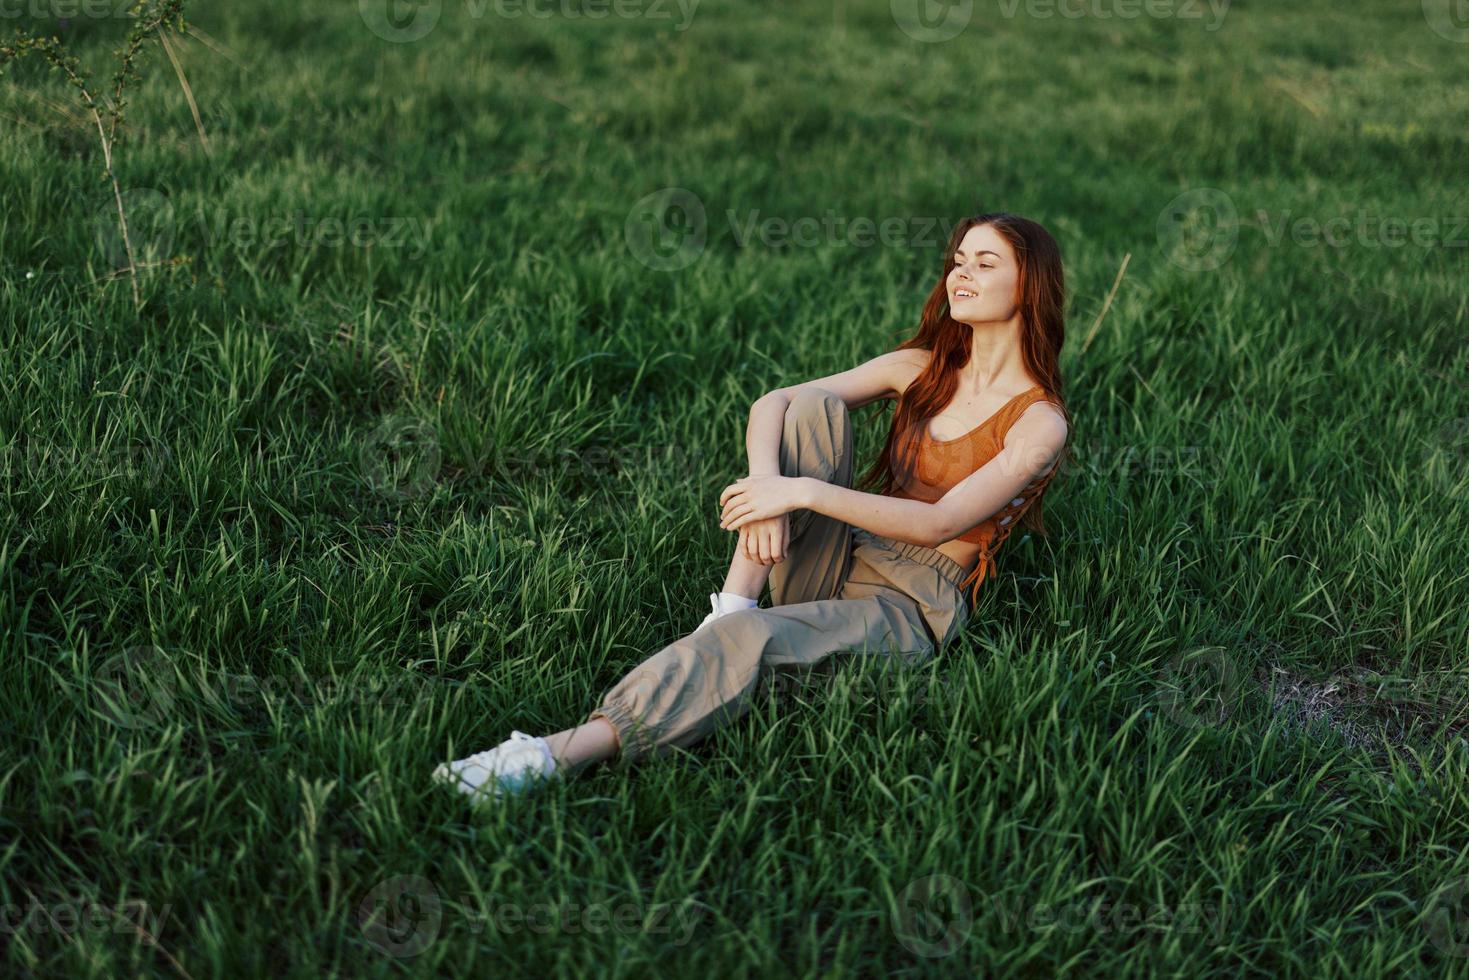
(1044, 404)
(1039, 416)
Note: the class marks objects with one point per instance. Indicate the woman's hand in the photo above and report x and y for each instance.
(764, 541)
(758, 498)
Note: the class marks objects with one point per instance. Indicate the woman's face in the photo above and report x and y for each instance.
(983, 285)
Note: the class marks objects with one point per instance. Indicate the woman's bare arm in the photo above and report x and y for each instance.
(899, 518)
(884, 376)
(763, 432)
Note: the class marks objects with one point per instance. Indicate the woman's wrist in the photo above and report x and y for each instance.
(808, 493)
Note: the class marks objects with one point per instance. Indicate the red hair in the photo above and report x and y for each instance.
(1041, 300)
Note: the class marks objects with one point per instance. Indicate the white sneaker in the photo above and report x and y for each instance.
(510, 767)
(723, 607)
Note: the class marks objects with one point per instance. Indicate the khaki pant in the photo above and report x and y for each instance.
(840, 589)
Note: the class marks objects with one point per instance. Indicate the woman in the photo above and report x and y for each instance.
(979, 431)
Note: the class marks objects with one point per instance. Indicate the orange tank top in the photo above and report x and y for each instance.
(942, 463)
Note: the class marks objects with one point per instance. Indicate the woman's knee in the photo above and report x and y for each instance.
(742, 633)
(815, 410)
(811, 401)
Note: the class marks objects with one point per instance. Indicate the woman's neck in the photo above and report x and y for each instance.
(994, 358)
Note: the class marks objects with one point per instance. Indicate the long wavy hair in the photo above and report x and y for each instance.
(1041, 301)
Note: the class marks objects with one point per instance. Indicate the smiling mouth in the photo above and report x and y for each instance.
(965, 294)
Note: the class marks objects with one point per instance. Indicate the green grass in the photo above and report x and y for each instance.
(321, 515)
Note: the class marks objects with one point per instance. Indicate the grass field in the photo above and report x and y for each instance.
(445, 352)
